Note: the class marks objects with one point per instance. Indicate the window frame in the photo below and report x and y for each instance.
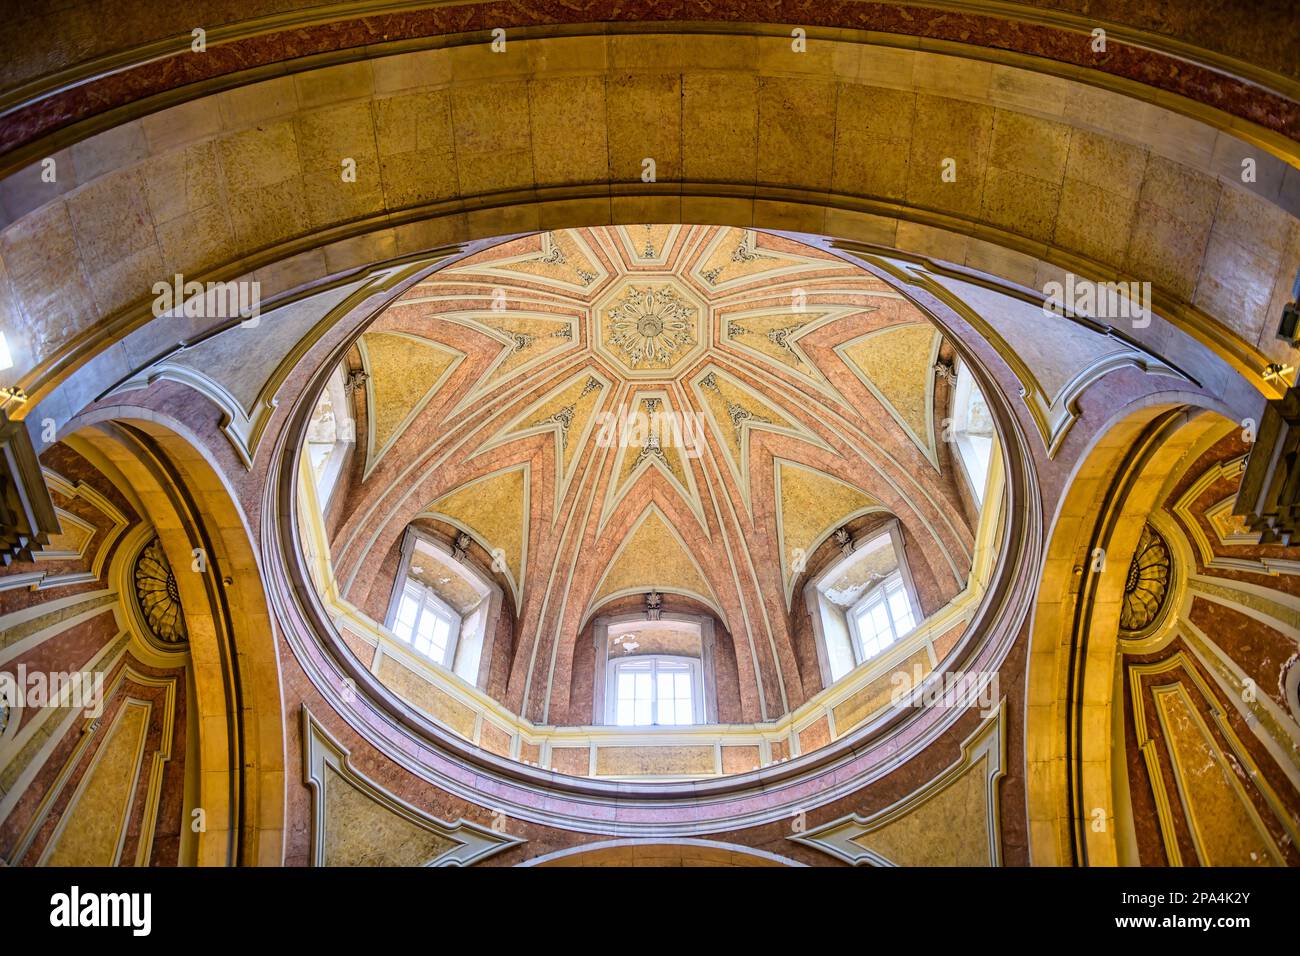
(429, 599)
(880, 594)
(817, 604)
(600, 628)
(694, 668)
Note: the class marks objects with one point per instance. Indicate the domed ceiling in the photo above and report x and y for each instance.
(687, 409)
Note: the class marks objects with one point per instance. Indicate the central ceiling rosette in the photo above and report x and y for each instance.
(650, 329)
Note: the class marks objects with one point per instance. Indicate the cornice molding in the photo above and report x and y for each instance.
(1049, 41)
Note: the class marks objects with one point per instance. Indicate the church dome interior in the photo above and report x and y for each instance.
(616, 435)
(650, 477)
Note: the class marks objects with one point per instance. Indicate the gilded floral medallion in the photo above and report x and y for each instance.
(650, 329)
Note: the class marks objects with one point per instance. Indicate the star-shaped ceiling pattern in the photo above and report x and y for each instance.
(683, 408)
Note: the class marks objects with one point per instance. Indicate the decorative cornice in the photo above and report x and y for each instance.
(244, 426)
(166, 72)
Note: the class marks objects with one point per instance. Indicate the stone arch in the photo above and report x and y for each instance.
(232, 644)
(1074, 630)
(1022, 222)
(656, 852)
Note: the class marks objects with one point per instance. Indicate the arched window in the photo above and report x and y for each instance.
(972, 431)
(863, 603)
(654, 672)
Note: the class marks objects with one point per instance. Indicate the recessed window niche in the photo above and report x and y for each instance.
(654, 673)
(863, 603)
(444, 607)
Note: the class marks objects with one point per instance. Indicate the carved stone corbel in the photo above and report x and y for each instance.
(27, 516)
(460, 549)
(654, 604)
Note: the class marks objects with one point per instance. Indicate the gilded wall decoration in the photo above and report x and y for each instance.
(77, 554)
(90, 834)
(158, 596)
(1147, 588)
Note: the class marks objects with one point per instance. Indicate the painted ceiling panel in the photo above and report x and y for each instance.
(734, 412)
(650, 437)
(812, 504)
(570, 414)
(722, 334)
(494, 509)
(774, 335)
(562, 258)
(527, 340)
(653, 556)
(405, 372)
(895, 364)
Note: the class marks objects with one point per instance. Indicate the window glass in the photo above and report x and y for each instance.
(441, 635)
(654, 691)
(883, 616)
(900, 609)
(424, 622)
(407, 611)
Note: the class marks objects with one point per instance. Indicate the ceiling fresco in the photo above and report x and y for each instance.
(687, 409)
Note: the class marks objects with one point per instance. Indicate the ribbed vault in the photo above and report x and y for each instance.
(683, 409)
